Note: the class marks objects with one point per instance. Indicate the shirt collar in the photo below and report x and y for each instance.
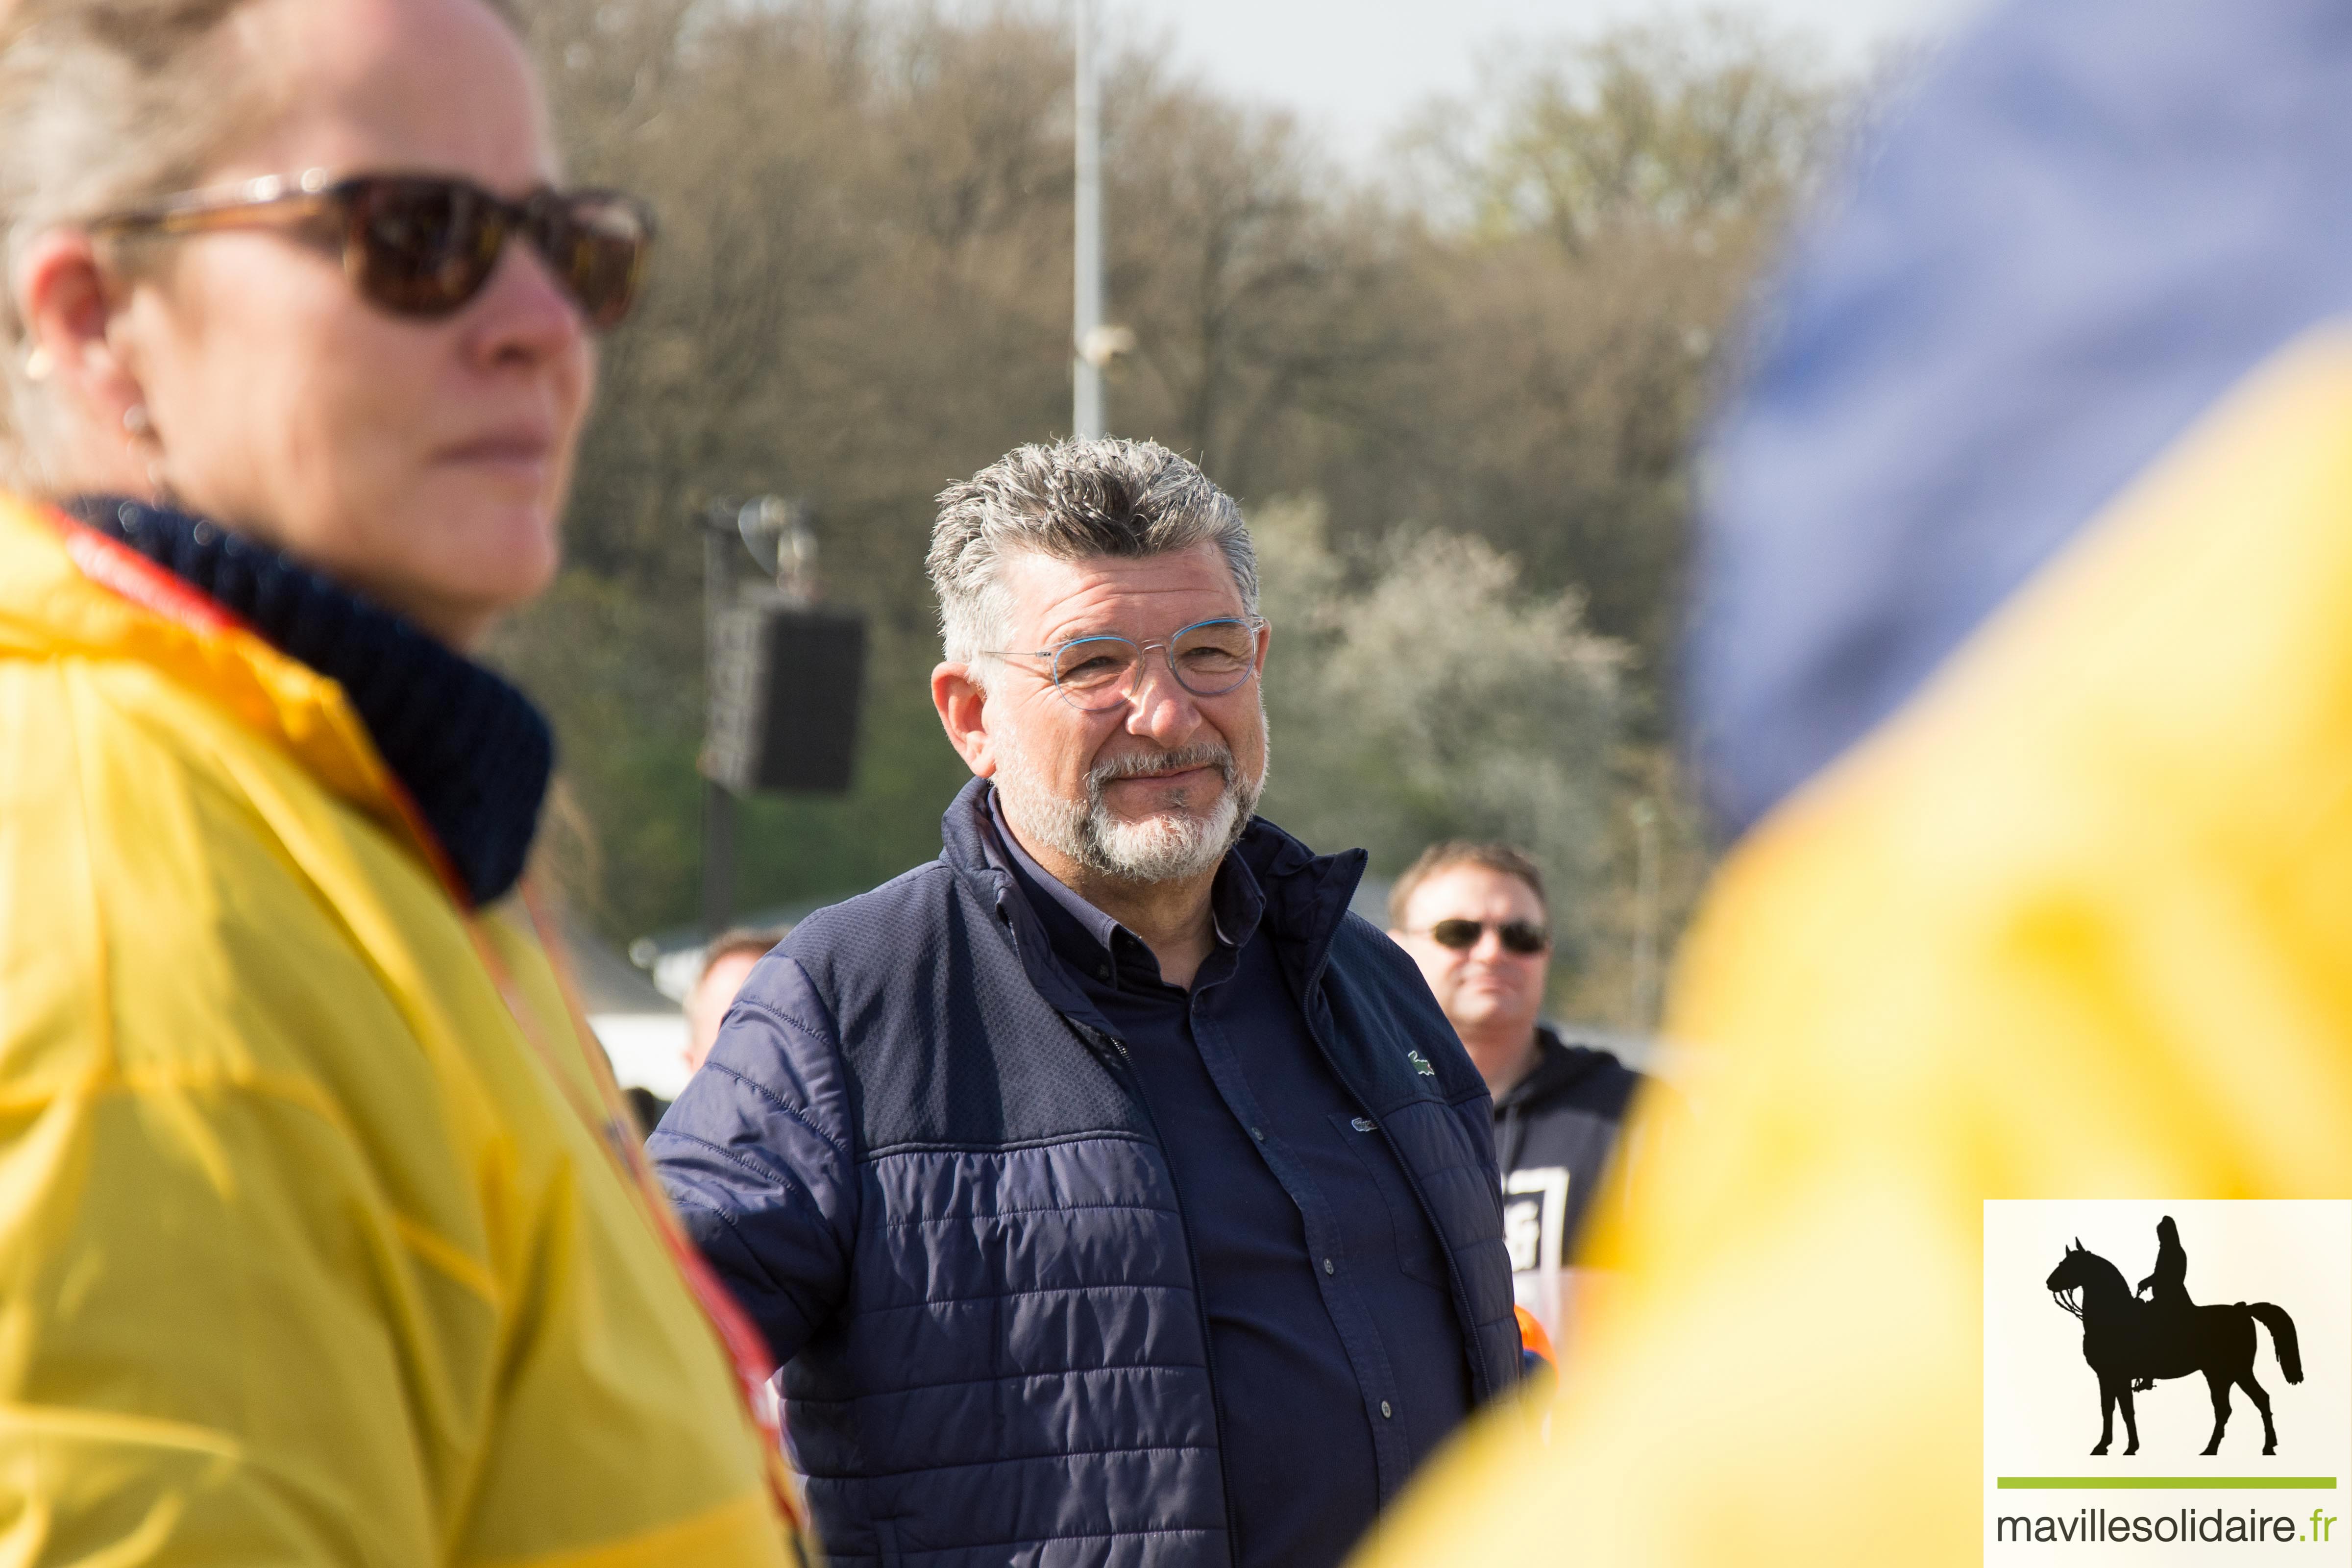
(1092, 920)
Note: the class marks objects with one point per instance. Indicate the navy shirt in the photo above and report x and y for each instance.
(1337, 1361)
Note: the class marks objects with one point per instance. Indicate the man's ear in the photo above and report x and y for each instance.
(962, 706)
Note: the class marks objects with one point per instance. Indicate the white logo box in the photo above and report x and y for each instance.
(2041, 1398)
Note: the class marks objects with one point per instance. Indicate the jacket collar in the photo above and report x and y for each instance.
(434, 746)
(471, 752)
(1305, 894)
(1091, 938)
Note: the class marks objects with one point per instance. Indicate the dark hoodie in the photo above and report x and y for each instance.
(1554, 1132)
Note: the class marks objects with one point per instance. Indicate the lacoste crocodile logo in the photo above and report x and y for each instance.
(1421, 1064)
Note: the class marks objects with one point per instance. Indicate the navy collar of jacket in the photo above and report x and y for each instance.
(1307, 894)
(473, 753)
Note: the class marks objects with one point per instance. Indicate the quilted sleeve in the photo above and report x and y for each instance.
(758, 1156)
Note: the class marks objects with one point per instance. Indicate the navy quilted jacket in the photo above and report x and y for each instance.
(943, 1202)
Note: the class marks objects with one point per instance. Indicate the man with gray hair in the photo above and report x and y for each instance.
(1110, 1194)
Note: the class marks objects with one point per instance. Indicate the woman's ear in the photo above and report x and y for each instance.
(74, 347)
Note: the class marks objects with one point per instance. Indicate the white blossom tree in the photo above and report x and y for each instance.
(1426, 695)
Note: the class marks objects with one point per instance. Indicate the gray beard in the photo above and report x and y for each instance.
(1169, 846)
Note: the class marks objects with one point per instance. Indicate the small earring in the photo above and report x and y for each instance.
(136, 423)
(39, 363)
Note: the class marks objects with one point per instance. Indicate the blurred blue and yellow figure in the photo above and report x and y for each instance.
(2023, 672)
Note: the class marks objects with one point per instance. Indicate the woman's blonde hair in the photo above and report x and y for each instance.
(104, 104)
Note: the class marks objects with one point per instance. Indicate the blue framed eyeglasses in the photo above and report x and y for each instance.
(1101, 671)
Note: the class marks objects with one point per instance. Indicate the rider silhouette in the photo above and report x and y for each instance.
(2169, 1280)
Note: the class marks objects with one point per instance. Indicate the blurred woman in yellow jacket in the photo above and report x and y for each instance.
(319, 1240)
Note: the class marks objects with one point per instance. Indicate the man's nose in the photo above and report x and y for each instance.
(1157, 707)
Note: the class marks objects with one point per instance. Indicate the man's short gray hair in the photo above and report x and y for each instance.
(1072, 500)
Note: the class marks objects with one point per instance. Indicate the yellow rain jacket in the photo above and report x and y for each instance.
(307, 1252)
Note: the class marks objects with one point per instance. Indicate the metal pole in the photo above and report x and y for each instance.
(717, 858)
(1085, 374)
(717, 805)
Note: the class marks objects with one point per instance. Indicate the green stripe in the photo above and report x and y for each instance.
(2166, 1483)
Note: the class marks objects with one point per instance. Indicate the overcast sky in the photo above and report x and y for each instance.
(1355, 68)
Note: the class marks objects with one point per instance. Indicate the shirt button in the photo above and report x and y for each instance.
(1328, 1268)
(1256, 1134)
(1385, 1412)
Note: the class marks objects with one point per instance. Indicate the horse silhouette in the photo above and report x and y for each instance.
(2124, 1338)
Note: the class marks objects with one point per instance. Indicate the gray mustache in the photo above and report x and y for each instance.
(1138, 764)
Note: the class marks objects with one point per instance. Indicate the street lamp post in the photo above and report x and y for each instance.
(1087, 319)
(719, 539)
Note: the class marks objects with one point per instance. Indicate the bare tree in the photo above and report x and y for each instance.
(1256, 297)
(1593, 222)
(862, 291)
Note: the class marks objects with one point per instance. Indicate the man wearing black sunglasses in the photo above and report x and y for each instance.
(1474, 916)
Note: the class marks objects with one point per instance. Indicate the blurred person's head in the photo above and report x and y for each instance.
(249, 370)
(725, 964)
(1136, 760)
(1474, 916)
